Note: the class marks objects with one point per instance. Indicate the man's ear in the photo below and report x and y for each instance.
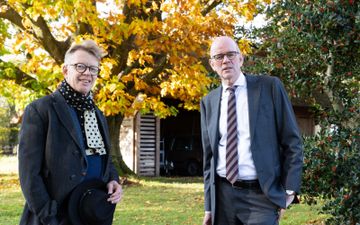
(241, 59)
(64, 70)
(211, 64)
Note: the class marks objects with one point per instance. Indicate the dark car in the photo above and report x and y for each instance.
(184, 154)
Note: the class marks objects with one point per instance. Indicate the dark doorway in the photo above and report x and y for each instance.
(181, 151)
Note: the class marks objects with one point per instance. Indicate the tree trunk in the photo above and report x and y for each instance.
(114, 123)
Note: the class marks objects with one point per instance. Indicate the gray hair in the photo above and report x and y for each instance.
(88, 46)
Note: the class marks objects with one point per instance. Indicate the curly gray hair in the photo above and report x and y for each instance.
(88, 46)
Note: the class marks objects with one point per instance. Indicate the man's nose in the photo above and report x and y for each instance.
(226, 59)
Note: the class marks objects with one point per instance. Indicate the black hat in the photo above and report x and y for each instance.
(88, 204)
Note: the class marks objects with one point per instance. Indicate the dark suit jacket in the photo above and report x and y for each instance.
(52, 159)
(276, 144)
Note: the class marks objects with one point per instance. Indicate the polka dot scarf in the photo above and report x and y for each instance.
(85, 105)
(75, 99)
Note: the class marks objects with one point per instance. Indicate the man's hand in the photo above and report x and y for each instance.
(281, 213)
(114, 188)
(207, 218)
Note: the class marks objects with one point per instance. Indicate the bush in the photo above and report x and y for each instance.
(332, 172)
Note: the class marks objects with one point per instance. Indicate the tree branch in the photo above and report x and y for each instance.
(84, 28)
(209, 6)
(120, 52)
(11, 15)
(161, 65)
(55, 48)
(20, 77)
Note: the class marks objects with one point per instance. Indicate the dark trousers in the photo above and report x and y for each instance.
(243, 206)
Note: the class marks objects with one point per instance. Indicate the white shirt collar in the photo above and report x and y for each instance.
(240, 82)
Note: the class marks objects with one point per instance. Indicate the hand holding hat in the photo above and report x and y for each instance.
(89, 205)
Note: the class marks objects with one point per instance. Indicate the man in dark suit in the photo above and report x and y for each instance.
(64, 141)
(252, 145)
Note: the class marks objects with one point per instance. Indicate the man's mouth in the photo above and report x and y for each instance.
(85, 81)
(227, 68)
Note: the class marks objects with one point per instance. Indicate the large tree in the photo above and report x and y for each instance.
(314, 46)
(155, 49)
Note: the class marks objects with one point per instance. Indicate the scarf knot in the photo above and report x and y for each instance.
(76, 99)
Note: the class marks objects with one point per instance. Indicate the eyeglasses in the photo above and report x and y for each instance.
(229, 55)
(81, 68)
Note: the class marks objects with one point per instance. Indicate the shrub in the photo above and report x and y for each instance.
(332, 172)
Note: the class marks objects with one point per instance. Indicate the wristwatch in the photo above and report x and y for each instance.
(289, 192)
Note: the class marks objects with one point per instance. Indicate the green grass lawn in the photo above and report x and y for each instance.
(149, 201)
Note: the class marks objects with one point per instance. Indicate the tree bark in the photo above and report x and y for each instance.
(114, 123)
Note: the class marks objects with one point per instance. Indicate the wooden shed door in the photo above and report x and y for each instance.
(148, 154)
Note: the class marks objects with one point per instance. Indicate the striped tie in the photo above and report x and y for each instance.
(231, 145)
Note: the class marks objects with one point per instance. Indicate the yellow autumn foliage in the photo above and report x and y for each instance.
(153, 49)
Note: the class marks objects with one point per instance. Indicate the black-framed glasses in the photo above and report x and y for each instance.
(230, 55)
(81, 68)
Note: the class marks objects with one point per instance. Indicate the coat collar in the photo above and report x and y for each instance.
(63, 111)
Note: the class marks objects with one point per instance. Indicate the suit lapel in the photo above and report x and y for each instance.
(213, 123)
(253, 89)
(62, 110)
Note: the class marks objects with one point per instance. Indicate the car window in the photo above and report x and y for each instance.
(182, 144)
